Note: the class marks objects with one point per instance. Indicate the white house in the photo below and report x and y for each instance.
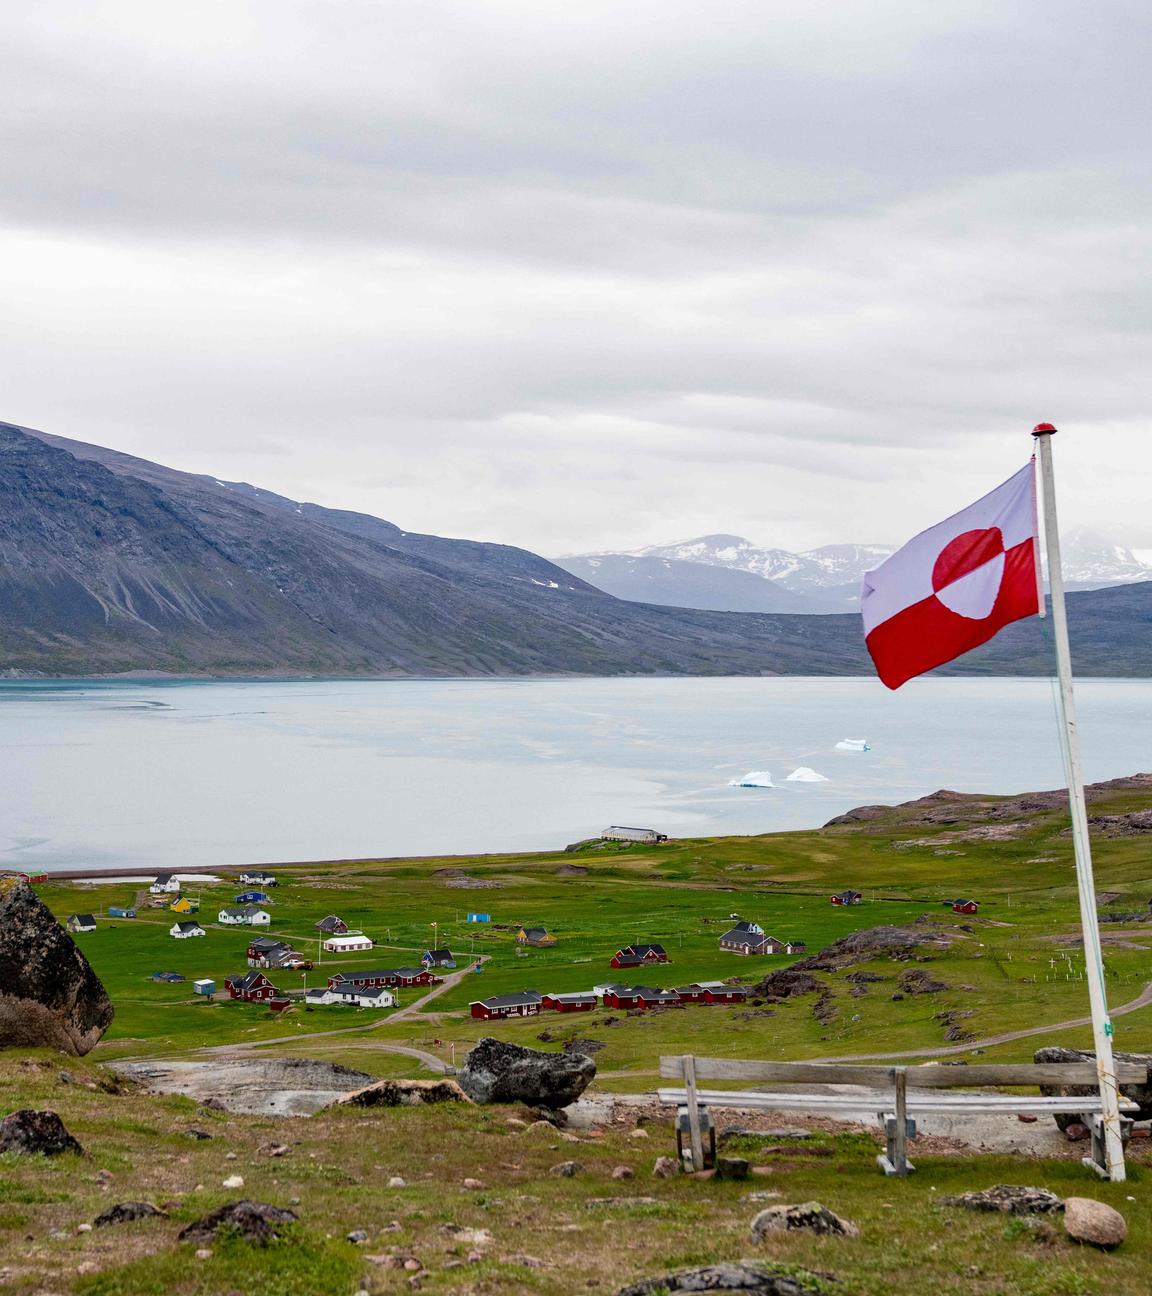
(244, 916)
(257, 877)
(619, 833)
(350, 944)
(183, 930)
(368, 998)
(164, 882)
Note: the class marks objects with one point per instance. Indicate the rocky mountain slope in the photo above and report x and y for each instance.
(110, 564)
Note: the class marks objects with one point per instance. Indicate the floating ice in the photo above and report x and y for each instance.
(805, 775)
(853, 744)
(754, 778)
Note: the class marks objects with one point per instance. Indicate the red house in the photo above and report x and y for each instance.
(639, 997)
(405, 976)
(965, 906)
(583, 1002)
(725, 995)
(524, 1003)
(639, 955)
(253, 987)
(846, 898)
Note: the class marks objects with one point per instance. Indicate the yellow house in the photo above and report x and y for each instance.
(183, 905)
(534, 936)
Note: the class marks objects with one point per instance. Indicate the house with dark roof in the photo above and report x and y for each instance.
(257, 877)
(390, 977)
(795, 947)
(537, 936)
(438, 958)
(171, 977)
(185, 930)
(620, 833)
(267, 952)
(524, 1003)
(331, 926)
(846, 898)
(253, 897)
(164, 882)
(965, 906)
(581, 1001)
(184, 905)
(119, 911)
(640, 997)
(81, 923)
(244, 916)
(252, 987)
(749, 938)
(639, 956)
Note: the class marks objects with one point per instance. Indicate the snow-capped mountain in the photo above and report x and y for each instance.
(728, 573)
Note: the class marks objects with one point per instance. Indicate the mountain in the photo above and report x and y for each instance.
(727, 573)
(110, 564)
(730, 574)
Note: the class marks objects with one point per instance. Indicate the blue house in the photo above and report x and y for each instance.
(479, 917)
(115, 911)
(253, 897)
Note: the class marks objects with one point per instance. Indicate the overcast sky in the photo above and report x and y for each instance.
(589, 275)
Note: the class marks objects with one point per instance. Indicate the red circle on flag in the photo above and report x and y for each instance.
(969, 550)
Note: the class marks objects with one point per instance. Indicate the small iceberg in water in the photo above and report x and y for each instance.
(853, 744)
(754, 778)
(805, 775)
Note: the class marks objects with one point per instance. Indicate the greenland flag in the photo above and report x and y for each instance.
(955, 585)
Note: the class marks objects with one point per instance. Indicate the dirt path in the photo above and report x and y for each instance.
(1142, 1000)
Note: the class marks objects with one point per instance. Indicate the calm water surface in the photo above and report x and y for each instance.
(191, 775)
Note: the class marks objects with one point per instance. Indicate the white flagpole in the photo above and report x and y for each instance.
(1093, 959)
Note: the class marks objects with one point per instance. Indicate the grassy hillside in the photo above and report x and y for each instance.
(1016, 965)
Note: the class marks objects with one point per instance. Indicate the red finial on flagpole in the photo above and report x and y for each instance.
(1043, 429)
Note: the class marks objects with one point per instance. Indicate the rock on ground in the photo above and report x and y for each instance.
(256, 1222)
(404, 1093)
(1010, 1199)
(49, 995)
(1140, 1094)
(745, 1276)
(811, 1216)
(126, 1212)
(36, 1133)
(1088, 1220)
(498, 1072)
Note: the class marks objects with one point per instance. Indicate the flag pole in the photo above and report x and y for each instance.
(1070, 740)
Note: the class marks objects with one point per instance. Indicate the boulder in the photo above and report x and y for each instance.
(36, 1133)
(256, 1222)
(498, 1072)
(1008, 1199)
(744, 1276)
(403, 1093)
(1141, 1094)
(49, 995)
(810, 1216)
(1088, 1220)
(126, 1212)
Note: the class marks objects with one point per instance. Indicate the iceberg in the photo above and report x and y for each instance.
(805, 775)
(754, 779)
(853, 744)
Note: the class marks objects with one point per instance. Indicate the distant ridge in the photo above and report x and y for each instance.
(110, 564)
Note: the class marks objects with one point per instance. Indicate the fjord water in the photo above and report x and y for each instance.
(195, 775)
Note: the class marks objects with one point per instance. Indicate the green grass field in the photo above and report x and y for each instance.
(1016, 965)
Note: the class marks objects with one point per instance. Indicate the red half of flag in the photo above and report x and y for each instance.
(955, 585)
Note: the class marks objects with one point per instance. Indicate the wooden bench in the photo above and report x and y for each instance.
(886, 1092)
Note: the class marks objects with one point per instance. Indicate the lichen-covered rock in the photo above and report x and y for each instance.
(1008, 1199)
(498, 1072)
(810, 1216)
(255, 1222)
(745, 1276)
(1088, 1220)
(1140, 1094)
(36, 1133)
(126, 1212)
(49, 995)
(404, 1093)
